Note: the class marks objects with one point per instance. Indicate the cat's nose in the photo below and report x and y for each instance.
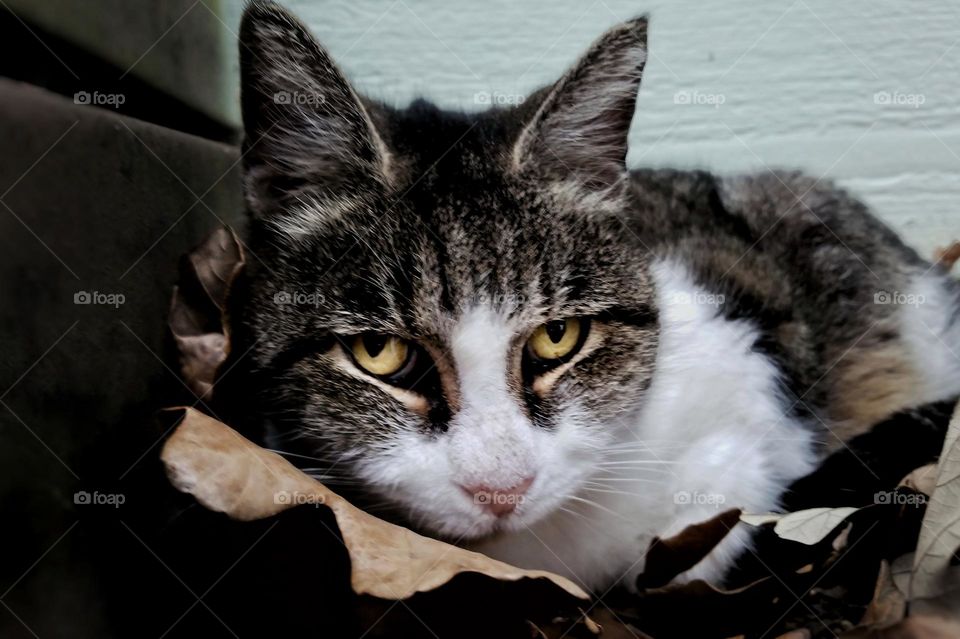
(499, 501)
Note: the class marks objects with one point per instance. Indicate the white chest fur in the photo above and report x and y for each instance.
(713, 432)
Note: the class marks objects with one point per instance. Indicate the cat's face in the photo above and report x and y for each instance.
(444, 309)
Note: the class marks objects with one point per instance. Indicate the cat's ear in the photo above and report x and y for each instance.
(580, 128)
(306, 129)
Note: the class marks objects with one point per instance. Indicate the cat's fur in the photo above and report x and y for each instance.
(736, 332)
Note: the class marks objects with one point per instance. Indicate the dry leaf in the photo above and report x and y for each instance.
(229, 474)
(889, 604)
(900, 571)
(602, 622)
(197, 316)
(699, 609)
(948, 256)
(939, 540)
(914, 627)
(840, 541)
(922, 480)
(809, 526)
(667, 558)
(918, 596)
(216, 262)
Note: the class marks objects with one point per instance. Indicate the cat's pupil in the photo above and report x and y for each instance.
(556, 330)
(374, 343)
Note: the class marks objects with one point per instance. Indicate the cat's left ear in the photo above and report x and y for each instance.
(580, 129)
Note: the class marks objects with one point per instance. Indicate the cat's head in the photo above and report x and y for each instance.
(446, 309)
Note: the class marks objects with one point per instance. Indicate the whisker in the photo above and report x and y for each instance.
(286, 453)
(596, 505)
(573, 512)
(620, 470)
(586, 520)
(634, 446)
(326, 469)
(612, 492)
(637, 462)
(604, 480)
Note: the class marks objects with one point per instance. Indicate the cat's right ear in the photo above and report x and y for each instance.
(306, 129)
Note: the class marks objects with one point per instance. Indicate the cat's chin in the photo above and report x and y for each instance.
(474, 530)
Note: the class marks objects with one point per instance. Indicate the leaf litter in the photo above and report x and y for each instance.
(887, 569)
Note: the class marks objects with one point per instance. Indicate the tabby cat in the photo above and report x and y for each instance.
(486, 326)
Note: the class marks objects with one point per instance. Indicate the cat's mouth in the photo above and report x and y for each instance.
(495, 511)
(486, 526)
(485, 514)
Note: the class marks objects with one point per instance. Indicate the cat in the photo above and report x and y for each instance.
(485, 326)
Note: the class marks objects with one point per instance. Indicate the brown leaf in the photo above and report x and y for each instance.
(809, 526)
(602, 622)
(667, 558)
(948, 256)
(216, 263)
(699, 609)
(227, 473)
(939, 541)
(913, 627)
(840, 542)
(197, 317)
(200, 357)
(922, 480)
(889, 604)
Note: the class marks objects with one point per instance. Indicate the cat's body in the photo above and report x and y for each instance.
(607, 356)
(777, 342)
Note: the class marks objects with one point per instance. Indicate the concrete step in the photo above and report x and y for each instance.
(95, 211)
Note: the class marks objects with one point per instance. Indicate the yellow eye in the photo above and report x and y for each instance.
(380, 354)
(555, 339)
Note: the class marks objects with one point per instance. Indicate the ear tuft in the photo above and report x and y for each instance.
(307, 131)
(580, 129)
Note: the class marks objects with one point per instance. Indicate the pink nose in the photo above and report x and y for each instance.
(499, 501)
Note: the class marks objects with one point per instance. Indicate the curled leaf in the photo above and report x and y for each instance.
(938, 548)
(922, 480)
(229, 474)
(809, 526)
(197, 318)
(667, 558)
(947, 256)
(889, 604)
